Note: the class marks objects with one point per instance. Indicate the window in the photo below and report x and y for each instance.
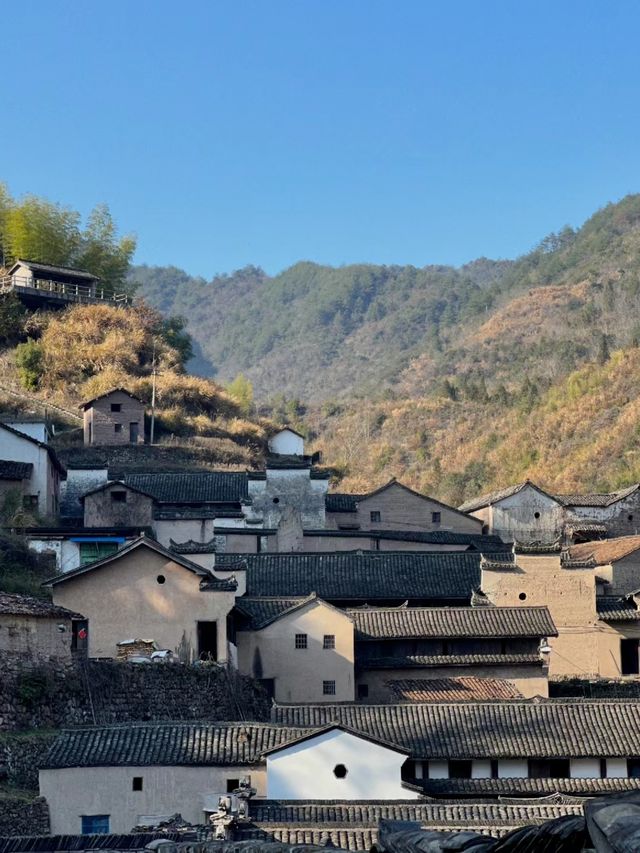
(119, 497)
(460, 770)
(375, 515)
(116, 407)
(117, 427)
(232, 785)
(436, 517)
(552, 768)
(340, 771)
(375, 544)
(523, 596)
(95, 824)
(161, 579)
(630, 517)
(494, 769)
(301, 641)
(629, 660)
(328, 688)
(633, 768)
(90, 551)
(329, 641)
(136, 783)
(363, 691)
(536, 515)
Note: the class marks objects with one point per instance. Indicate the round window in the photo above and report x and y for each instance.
(276, 500)
(161, 579)
(523, 596)
(536, 515)
(340, 771)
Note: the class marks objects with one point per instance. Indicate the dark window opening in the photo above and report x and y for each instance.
(117, 427)
(523, 596)
(208, 640)
(269, 686)
(79, 635)
(630, 518)
(375, 544)
(375, 515)
(460, 769)
(549, 768)
(161, 579)
(95, 824)
(116, 407)
(340, 771)
(536, 515)
(633, 768)
(136, 783)
(328, 688)
(436, 517)
(494, 769)
(629, 659)
(276, 500)
(232, 785)
(363, 691)
(329, 641)
(119, 497)
(603, 768)
(134, 432)
(301, 641)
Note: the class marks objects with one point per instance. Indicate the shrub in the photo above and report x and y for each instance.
(30, 363)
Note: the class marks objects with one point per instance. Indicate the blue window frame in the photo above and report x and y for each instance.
(95, 824)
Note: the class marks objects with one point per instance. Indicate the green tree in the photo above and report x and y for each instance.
(174, 333)
(241, 390)
(29, 361)
(103, 254)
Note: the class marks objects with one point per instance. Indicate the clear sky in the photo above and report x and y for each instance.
(405, 131)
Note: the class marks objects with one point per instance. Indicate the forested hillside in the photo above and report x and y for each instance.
(317, 332)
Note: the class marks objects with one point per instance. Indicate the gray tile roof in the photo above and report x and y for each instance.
(534, 729)
(262, 611)
(205, 487)
(51, 269)
(492, 497)
(449, 788)
(361, 575)
(612, 608)
(485, 543)
(413, 661)
(15, 470)
(167, 744)
(601, 499)
(12, 604)
(340, 502)
(405, 622)
(464, 688)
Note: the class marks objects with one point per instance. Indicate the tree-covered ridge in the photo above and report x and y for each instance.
(34, 229)
(317, 332)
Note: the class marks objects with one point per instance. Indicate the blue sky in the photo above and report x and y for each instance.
(338, 131)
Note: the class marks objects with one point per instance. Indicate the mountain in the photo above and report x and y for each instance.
(317, 332)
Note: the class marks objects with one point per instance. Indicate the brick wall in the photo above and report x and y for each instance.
(100, 422)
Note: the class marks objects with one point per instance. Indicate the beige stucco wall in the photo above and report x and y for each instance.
(529, 680)
(35, 637)
(74, 792)
(123, 600)
(101, 511)
(609, 637)
(400, 509)
(299, 673)
(624, 574)
(570, 596)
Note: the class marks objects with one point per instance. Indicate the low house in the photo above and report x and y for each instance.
(70, 546)
(36, 628)
(115, 504)
(146, 591)
(40, 483)
(116, 417)
(593, 516)
(47, 285)
(396, 507)
(521, 513)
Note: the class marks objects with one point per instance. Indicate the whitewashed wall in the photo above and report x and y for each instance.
(287, 443)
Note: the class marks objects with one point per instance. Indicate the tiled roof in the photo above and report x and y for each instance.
(205, 487)
(605, 550)
(499, 495)
(193, 547)
(264, 610)
(334, 836)
(52, 269)
(449, 788)
(15, 470)
(12, 604)
(460, 689)
(66, 843)
(612, 608)
(340, 502)
(361, 575)
(411, 661)
(540, 729)
(88, 403)
(601, 499)
(405, 622)
(167, 744)
(485, 543)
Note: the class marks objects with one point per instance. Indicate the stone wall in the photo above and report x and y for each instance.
(50, 694)
(20, 816)
(21, 756)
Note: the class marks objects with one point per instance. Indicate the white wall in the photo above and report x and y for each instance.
(182, 530)
(19, 449)
(38, 430)
(616, 768)
(304, 771)
(513, 768)
(287, 442)
(438, 770)
(585, 768)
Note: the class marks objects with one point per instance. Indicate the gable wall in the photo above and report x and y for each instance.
(299, 673)
(400, 509)
(123, 600)
(622, 517)
(102, 420)
(101, 511)
(287, 443)
(515, 517)
(44, 481)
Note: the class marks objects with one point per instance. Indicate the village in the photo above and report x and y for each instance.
(471, 668)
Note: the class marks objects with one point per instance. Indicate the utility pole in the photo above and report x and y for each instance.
(153, 397)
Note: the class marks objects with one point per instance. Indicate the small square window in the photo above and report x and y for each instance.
(328, 688)
(375, 515)
(329, 641)
(363, 691)
(436, 518)
(95, 824)
(119, 497)
(232, 785)
(117, 427)
(301, 641)
(116, 407)
(136, 783)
